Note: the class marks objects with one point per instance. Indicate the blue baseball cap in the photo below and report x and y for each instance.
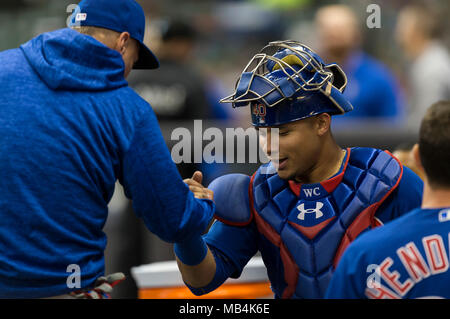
(120, 16)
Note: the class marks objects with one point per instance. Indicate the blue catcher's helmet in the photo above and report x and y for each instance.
(290, 84)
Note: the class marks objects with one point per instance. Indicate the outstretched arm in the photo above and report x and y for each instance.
(199, 275)
(152, 181)
(194, 259)
(206, 262)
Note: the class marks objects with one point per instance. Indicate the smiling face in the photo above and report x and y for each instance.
(299, 146)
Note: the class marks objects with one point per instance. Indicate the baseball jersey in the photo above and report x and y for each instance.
(407, 258)
(233, 244)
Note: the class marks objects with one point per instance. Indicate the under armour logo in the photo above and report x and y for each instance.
(304, 211)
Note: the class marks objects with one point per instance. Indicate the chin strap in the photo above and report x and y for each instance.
(102, 289)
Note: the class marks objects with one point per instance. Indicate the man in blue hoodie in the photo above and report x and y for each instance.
(71, 127)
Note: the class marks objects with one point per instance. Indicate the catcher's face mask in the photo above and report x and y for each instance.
(287, 82)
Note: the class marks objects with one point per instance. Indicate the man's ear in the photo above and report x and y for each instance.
(416, 157)
(122, 42)
(323, 122)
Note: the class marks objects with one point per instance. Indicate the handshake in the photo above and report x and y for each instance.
(196, 187)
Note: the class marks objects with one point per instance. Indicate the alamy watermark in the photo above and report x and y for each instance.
(74, 278)
(229, 145)
(373, 21)
(373, 280)
(75, 17)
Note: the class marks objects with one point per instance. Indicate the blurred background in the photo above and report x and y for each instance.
(394, 52)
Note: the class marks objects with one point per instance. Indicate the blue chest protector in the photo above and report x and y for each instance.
(310, 225)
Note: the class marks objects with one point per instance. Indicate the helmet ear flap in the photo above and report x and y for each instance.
(339, 77)
(291, 84)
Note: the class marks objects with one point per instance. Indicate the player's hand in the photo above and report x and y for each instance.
(196, 187)
(102, 289)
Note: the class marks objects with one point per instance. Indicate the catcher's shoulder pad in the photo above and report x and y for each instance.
(231, 196)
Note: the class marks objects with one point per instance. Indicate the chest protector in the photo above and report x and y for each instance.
(312, 224)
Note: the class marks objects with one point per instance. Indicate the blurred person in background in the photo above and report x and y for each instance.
(372, 88)
(417, 33)
(178, 89)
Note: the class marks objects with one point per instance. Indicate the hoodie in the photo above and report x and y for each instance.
(70, 127)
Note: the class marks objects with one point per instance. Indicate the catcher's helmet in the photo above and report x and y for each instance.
(288, 85)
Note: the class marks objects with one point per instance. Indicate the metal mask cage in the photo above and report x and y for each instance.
(320, 76)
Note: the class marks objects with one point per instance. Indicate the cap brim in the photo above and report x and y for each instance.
(147, 60)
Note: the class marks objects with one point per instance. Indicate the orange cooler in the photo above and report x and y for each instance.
(162, 280)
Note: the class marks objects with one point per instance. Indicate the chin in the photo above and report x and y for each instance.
(285, 175)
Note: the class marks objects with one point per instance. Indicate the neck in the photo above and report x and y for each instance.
(329, 163)
(435, 197)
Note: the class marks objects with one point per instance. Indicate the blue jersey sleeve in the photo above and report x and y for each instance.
(233, 234)
(406, 197)
(231, 196)
(160, 197)
(237, 243)
(232, 239)
(232, 248)
(347, 281)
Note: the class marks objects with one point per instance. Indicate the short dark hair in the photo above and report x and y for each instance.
(434, 144)
(178, 29)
